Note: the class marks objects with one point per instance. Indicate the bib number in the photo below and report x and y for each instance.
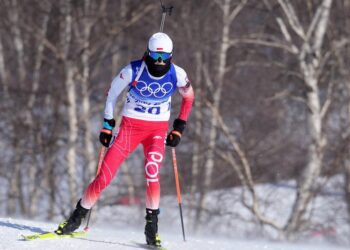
(155, 110)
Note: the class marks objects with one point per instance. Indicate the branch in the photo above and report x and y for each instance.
(283, 28)
(236, 11)
(246, 179)
(219, 3)
(230, 160)
(323, 13)
(286, 34)
(328, 101)
(237, 148)
(36, 31)
(287, 48)
(292, 18)
(255, 210)
(279, 95)
(313, 24)
(208, 80)
(137, 15)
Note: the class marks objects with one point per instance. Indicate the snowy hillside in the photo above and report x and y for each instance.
(106, 237)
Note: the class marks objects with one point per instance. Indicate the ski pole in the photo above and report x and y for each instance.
(165, 10)
(178, 191)
(99, 164)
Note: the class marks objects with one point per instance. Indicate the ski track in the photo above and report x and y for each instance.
(122, 238)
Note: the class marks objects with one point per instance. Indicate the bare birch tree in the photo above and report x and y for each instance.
(89, 16)
(66, 27)
(230, 10)
(310, 56)
(16, 179)
(306, 45)
(34, 169)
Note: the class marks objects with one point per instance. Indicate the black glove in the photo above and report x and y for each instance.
(174, 137)
(106, 132)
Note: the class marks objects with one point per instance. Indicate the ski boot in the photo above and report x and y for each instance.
(74, 220)
(151, 228)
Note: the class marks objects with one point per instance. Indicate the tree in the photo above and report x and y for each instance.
(306, 44)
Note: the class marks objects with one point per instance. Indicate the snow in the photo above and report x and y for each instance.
(105, 236)
(116, 226)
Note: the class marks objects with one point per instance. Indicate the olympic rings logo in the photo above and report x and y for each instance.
(154, 88)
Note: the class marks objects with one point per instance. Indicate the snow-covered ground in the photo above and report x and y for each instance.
(107, 237)
(116, 226)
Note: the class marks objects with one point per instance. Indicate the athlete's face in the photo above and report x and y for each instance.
(158, 63)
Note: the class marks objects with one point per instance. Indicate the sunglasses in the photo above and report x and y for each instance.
(163, 55)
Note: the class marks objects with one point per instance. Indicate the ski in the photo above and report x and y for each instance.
(53, 235)
(145, 246)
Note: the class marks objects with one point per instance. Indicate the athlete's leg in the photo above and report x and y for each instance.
(126, 141)
(154, 154)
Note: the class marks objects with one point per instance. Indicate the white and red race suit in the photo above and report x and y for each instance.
(145, 119)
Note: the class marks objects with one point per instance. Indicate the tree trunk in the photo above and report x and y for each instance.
(210, 154)
(196, 157)
(89, 151)
(69, 69)
(3, 74)
(34, 168)
(17, 40)
(72, 130)
(16, 178)
(307, 185)
(309, 61)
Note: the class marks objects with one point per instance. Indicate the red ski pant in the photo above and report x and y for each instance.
(132, 132)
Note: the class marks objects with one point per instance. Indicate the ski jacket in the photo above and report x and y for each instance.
(149, 97)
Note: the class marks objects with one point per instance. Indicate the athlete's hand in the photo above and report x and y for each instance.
(106, 132)
(174, 137)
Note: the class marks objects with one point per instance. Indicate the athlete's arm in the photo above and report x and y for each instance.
(187, 93)
(187, 101)
(179, 124)
(117, 86)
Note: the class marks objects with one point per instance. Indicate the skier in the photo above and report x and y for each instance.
(151, 82)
